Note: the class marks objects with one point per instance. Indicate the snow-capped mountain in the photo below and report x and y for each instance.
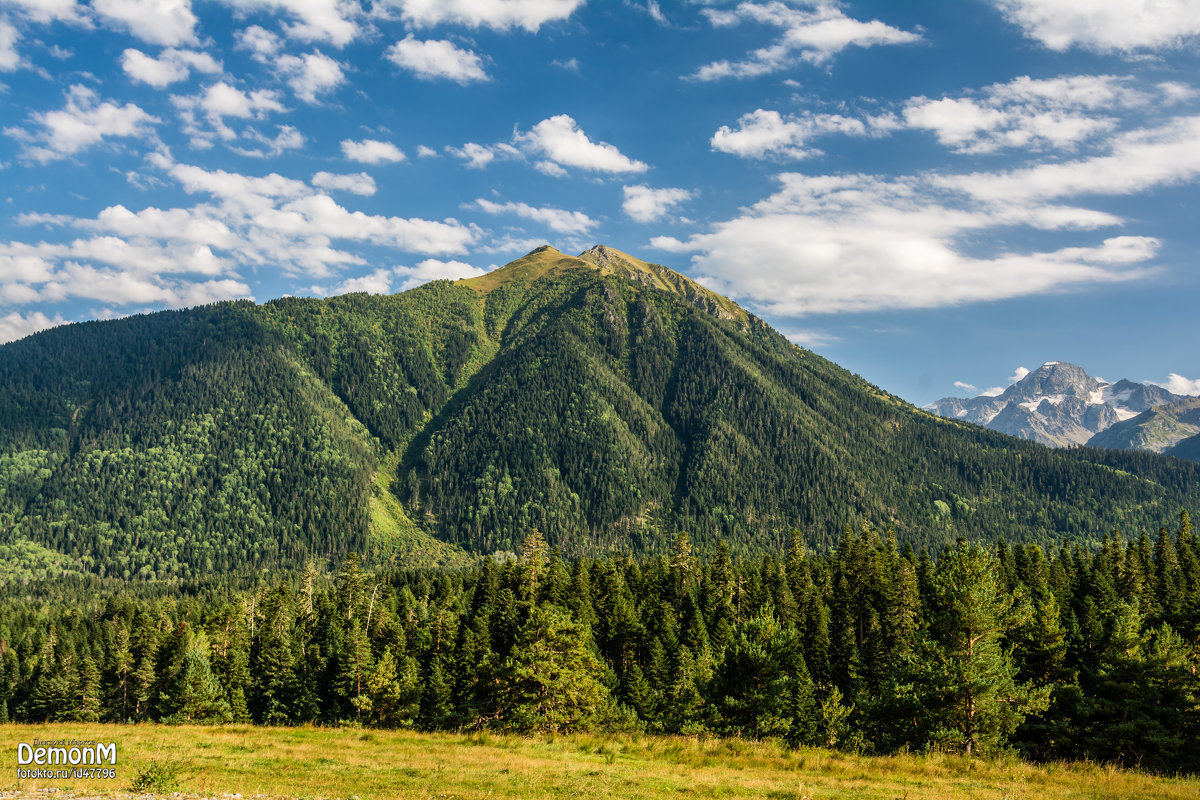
(1057, 404)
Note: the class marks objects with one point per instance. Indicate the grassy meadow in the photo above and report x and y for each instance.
(327, 763)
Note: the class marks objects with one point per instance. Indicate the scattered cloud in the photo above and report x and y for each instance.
(1029, 114)
(44, 11)
(172, 65)
(644, 204)
(371, 151)
(437, 59)
(1105, 25)
(813, 36)
(219, 102)
(763, 133)
(556, 219)
(261, 43)
(564, 144)
(431, 269)
(359, 183)
(83, 123)
(501, 15)
(424, 151)
(570, 64)
(310, 74)
(1018, 375)
(332, 21)
(968, 387)
(165, 22)
(14, 326)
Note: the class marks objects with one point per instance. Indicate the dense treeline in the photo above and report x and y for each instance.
(597, 409)
(1067, 654)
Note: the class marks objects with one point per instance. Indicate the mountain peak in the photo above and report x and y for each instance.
(546, 261)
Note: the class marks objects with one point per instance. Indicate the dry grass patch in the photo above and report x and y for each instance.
(342, 763)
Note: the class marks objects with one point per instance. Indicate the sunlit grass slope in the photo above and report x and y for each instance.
(311, 762)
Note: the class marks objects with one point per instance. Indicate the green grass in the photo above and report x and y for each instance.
(326, 763)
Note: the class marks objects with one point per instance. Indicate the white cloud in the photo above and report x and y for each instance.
(556, 219)
(969, 387)
(1178, 384)
(994, 391)
(172, 65)
(377, 282)
(359, 183)
(825, 244)
(566, 145)
(1105, 25)
(10, 59)
(1028, 114)
(330, 21)
(371, 151)
(763, 133)
(431, 269)
(218, 102)
(424, 151)
(1018, 374)
(287, 138)
(644, 204)
(479, 156)
(84, 122)
(310, 74)
(14, 326)
(814, 36)
(499, 15)
(261, 43)
(44, 11)
(437, 58)
(165, 22)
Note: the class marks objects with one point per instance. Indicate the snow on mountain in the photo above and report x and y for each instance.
(1057, 404)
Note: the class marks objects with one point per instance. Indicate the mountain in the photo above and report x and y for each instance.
(1057, 404)
(603, 400)
(1161, 429)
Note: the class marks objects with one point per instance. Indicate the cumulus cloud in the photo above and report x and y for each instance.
(763, 133)
(1030, 114)
(171, 65)
(437, 59)
(825, 244)
(556, 219)
(261, 43)
(44, 11)
(85, 121)
(968, 387)
(644, 204)
(164, 22)
(564, 144)
(431, 269)
(216, 104)
(1105, 25)
(371, 151)
(1019, 374)
(333, 21)
(499, 15)
(359, 183)
(310, 74)
(169, 257)
(813, 35)
(15, 326)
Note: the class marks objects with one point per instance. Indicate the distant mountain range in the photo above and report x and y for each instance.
(1059, 404)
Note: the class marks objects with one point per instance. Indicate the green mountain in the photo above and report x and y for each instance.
(605, 401)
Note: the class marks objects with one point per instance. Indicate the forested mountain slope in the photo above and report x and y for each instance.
(605, 401)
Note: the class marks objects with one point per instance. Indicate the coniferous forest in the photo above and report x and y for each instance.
(1071, 653)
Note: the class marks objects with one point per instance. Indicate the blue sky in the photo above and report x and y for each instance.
(926, 192)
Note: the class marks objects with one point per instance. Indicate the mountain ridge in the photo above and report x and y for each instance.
(577, 398)
(1058, 405)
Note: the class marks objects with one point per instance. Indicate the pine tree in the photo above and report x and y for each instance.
(969, 683)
